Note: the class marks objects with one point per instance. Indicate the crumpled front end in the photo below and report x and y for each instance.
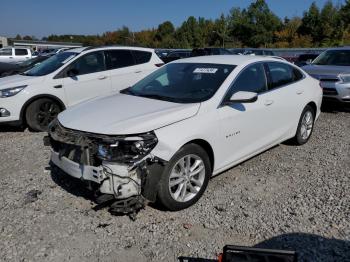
(121, 169)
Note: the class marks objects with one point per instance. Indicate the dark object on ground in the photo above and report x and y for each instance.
(31, 196)
(247, 254)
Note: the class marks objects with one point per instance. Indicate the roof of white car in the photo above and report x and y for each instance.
(227, 59)
(82, 49)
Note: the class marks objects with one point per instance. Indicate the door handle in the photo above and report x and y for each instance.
(268, 102)
(102, 77)
(58, 86)
(299, 92)
(138, 71)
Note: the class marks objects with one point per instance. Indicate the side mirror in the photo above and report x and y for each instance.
(72, 72)
(243, 97)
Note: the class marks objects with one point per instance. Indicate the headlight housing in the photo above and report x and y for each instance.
(345, 78)
(127, 149)
(11, 91)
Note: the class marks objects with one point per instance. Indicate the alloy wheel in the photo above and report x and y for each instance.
(306, 125)
(46, 113)
(186, 178)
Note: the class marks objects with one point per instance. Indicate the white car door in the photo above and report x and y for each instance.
(86, 78)
(6, 55)
(284, 99)
(245, 126)
(123, 68)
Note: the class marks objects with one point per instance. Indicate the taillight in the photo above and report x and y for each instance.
(159, 65)
(220, 257)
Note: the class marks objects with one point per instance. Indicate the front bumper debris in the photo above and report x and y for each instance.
(124, 187)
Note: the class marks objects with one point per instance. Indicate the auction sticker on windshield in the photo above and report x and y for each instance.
(205, 70)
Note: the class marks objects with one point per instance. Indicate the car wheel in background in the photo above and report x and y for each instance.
(185, 178)
(305, 126)
(41, 112)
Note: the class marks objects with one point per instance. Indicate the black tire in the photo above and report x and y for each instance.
(164, 195)
(299, 139)
(41, 112)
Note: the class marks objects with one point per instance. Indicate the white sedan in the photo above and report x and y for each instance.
(164, 137)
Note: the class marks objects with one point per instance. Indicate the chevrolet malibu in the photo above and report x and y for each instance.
(164, 137)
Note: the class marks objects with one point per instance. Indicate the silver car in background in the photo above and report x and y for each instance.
(332, 68)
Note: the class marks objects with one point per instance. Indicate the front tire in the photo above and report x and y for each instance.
(41, 112)
(185, 178)
(305, 126)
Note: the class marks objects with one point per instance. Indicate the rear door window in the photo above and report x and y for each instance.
(142, 57)
(119, 59)
(280, 74)
(21, 52)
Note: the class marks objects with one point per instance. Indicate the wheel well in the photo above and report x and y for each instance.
(207, 147)
(314, 107)
(25, 106)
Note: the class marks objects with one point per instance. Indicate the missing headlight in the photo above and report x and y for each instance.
(127, 149)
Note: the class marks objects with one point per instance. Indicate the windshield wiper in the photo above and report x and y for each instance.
(156, 96)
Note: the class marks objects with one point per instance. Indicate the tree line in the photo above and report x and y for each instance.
(254, 26)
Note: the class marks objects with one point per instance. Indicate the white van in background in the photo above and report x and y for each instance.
(14, 54)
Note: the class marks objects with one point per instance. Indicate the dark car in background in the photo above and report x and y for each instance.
(259, 51)
(237, 51)
(161, 53)
(7, 69)
(305, 59)
(332, 68)
(175, 55)
(210, 51)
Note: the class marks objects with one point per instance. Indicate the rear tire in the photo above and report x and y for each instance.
(41, 112)
(185, 178)
(305, 126)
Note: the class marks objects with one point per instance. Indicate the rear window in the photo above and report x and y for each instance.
(20, 52)
(142, 57)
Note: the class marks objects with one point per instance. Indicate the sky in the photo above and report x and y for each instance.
(41, 17)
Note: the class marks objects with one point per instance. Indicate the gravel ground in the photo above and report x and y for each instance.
(288, 197)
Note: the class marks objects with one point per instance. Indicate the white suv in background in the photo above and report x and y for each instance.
(38, 95)
(14, 55)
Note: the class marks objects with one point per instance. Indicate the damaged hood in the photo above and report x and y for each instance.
(122, 114)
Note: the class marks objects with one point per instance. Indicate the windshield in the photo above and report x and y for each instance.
(333, 57)
(182, 82)
(51, 64)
